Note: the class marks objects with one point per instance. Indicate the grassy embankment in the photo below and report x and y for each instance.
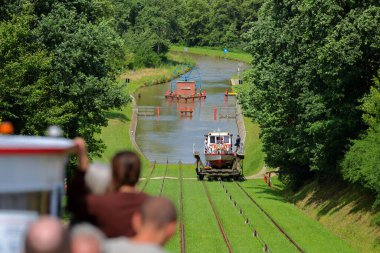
(116, 134)
(215, 52)
(344, 209)
(201, 227)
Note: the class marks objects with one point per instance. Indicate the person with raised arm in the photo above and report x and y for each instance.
(110, 212)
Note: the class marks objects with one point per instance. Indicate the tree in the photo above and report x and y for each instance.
(194, 22)
(361, 163)
(160, 17)
(59, 68)
(312, 63)
(24, 72)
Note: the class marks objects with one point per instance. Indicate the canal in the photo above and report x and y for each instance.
(170, 136)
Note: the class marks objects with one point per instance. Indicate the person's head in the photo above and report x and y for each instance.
(125, 169)
(157, 220)
(85, 238)
(46, 235)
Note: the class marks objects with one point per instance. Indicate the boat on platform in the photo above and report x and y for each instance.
(186, 84)
(218, 150)
(221, 160)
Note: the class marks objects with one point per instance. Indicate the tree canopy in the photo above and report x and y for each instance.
(59, 61)
(313, 61)
(361, 163)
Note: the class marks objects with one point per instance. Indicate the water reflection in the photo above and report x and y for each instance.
(171, 136)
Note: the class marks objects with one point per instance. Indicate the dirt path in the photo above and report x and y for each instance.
(259, 174)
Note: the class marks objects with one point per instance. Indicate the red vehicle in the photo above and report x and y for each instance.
(218, 149)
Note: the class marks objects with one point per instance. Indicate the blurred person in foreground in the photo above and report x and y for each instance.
(110, 212)
(46, 235)
(155, 224)
(85, 238)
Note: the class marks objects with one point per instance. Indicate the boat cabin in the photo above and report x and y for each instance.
(218, 142)
(186, 88)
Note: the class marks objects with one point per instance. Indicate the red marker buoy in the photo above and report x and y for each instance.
(215, 111)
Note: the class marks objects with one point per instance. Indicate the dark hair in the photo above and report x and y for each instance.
(125, 169)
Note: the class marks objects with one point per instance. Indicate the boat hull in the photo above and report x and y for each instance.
(220, 161)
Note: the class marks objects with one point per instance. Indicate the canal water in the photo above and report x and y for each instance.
(172, 137)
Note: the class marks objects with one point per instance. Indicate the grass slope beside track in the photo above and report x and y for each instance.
(215, 52)
(254, 156)
(309, 234)
(344, 209)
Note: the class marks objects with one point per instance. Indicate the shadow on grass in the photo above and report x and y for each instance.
(117, 115)
(331, 196)
(266, 192)
(328, 196)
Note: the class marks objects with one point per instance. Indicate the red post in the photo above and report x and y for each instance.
(215, 111)
(158, 111)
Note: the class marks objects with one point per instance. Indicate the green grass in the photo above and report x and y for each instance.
(254, 156)
(116, 134)
(308, 233)
(344, 209)
(215, 52)
(202, 232)
(276, 241)
(239, 234)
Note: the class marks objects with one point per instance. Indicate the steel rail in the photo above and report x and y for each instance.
(246, 219)
(163, 180)
(149, 176)
(181, 216)
(270, 218)
(221, 229)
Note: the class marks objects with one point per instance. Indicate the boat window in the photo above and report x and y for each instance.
(212, 139)
(226, 139)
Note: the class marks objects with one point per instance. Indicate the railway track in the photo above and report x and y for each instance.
(163, 179)
(149, 176)
(182, 237)
(246, 220)
(279, 228)
(221, 229)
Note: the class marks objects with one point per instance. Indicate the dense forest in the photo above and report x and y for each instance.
(59, 59)
(313, 87)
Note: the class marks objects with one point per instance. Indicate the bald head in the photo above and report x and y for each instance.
(46, 235)
(156, 223)
(158, 212)
(86, 238)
